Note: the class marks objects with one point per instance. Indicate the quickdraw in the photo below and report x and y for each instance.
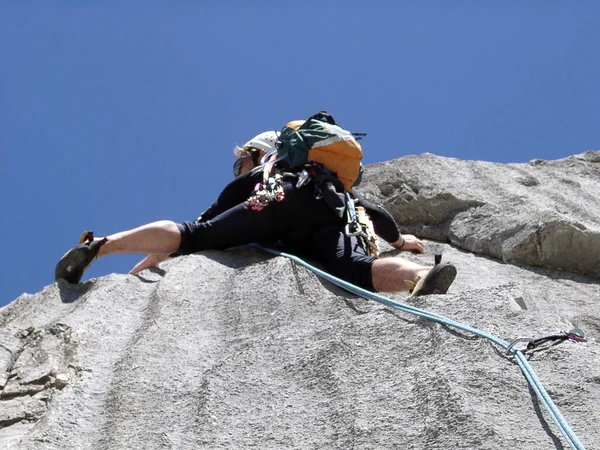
(359, 224)
(353, 227)
(536, 345)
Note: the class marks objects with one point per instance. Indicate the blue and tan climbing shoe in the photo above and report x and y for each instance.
(76, 261)
(437, 280)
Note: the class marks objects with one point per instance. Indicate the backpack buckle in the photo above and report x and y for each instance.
(303, 178)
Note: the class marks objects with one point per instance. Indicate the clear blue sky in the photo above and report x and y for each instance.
(114, 114)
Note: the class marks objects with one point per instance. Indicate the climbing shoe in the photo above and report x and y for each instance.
(76, 261)
(437, 280)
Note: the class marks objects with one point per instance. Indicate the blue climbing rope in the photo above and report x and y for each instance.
(521, 360)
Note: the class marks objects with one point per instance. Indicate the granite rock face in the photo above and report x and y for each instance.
(239, 349)
(544, 213)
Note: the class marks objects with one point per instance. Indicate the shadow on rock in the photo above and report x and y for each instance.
(237, 257)
(334, 288)
(545, 426)
(71, 292)
(559, 274)
(151, 279)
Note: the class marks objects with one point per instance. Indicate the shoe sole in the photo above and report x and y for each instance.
(73, 263)
(439, 279)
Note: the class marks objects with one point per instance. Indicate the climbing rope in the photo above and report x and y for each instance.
(519, 357)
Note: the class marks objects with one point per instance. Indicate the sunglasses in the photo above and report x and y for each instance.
(237, 164)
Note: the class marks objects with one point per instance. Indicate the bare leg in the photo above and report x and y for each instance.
(156, 238)
(389, 274)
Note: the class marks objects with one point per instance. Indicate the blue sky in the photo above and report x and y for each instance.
(114, 114)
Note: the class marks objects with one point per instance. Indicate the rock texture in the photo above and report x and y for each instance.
(544, 213)
(239, 349)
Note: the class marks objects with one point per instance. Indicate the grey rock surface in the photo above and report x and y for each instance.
(239, 349)
(543, 213)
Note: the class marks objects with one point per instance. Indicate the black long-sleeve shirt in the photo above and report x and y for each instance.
(239, 189)
(383, 222)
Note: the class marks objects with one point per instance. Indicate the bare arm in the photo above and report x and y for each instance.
(409, 243)
(149, 262)
(386, 227)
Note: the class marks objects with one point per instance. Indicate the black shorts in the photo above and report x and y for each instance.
(343, 256)
(298, 221)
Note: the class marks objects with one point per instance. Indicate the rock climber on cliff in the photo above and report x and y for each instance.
(300, 220)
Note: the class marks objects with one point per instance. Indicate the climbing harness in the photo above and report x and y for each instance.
(543, 343)
(519, 358)
(369, 236)
(359, 224)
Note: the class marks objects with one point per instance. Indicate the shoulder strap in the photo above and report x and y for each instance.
(323, 117)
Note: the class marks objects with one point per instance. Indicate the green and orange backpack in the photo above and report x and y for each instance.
(321, 140)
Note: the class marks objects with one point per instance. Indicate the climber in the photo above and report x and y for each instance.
(300, 220)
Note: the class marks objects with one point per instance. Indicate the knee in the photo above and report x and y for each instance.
(168, 225)
(357, 272)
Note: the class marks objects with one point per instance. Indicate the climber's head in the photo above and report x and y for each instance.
(249, 155)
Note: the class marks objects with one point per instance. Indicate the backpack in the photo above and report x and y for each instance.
(321, 140)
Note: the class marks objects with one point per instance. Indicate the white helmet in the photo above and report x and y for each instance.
(264, 141)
